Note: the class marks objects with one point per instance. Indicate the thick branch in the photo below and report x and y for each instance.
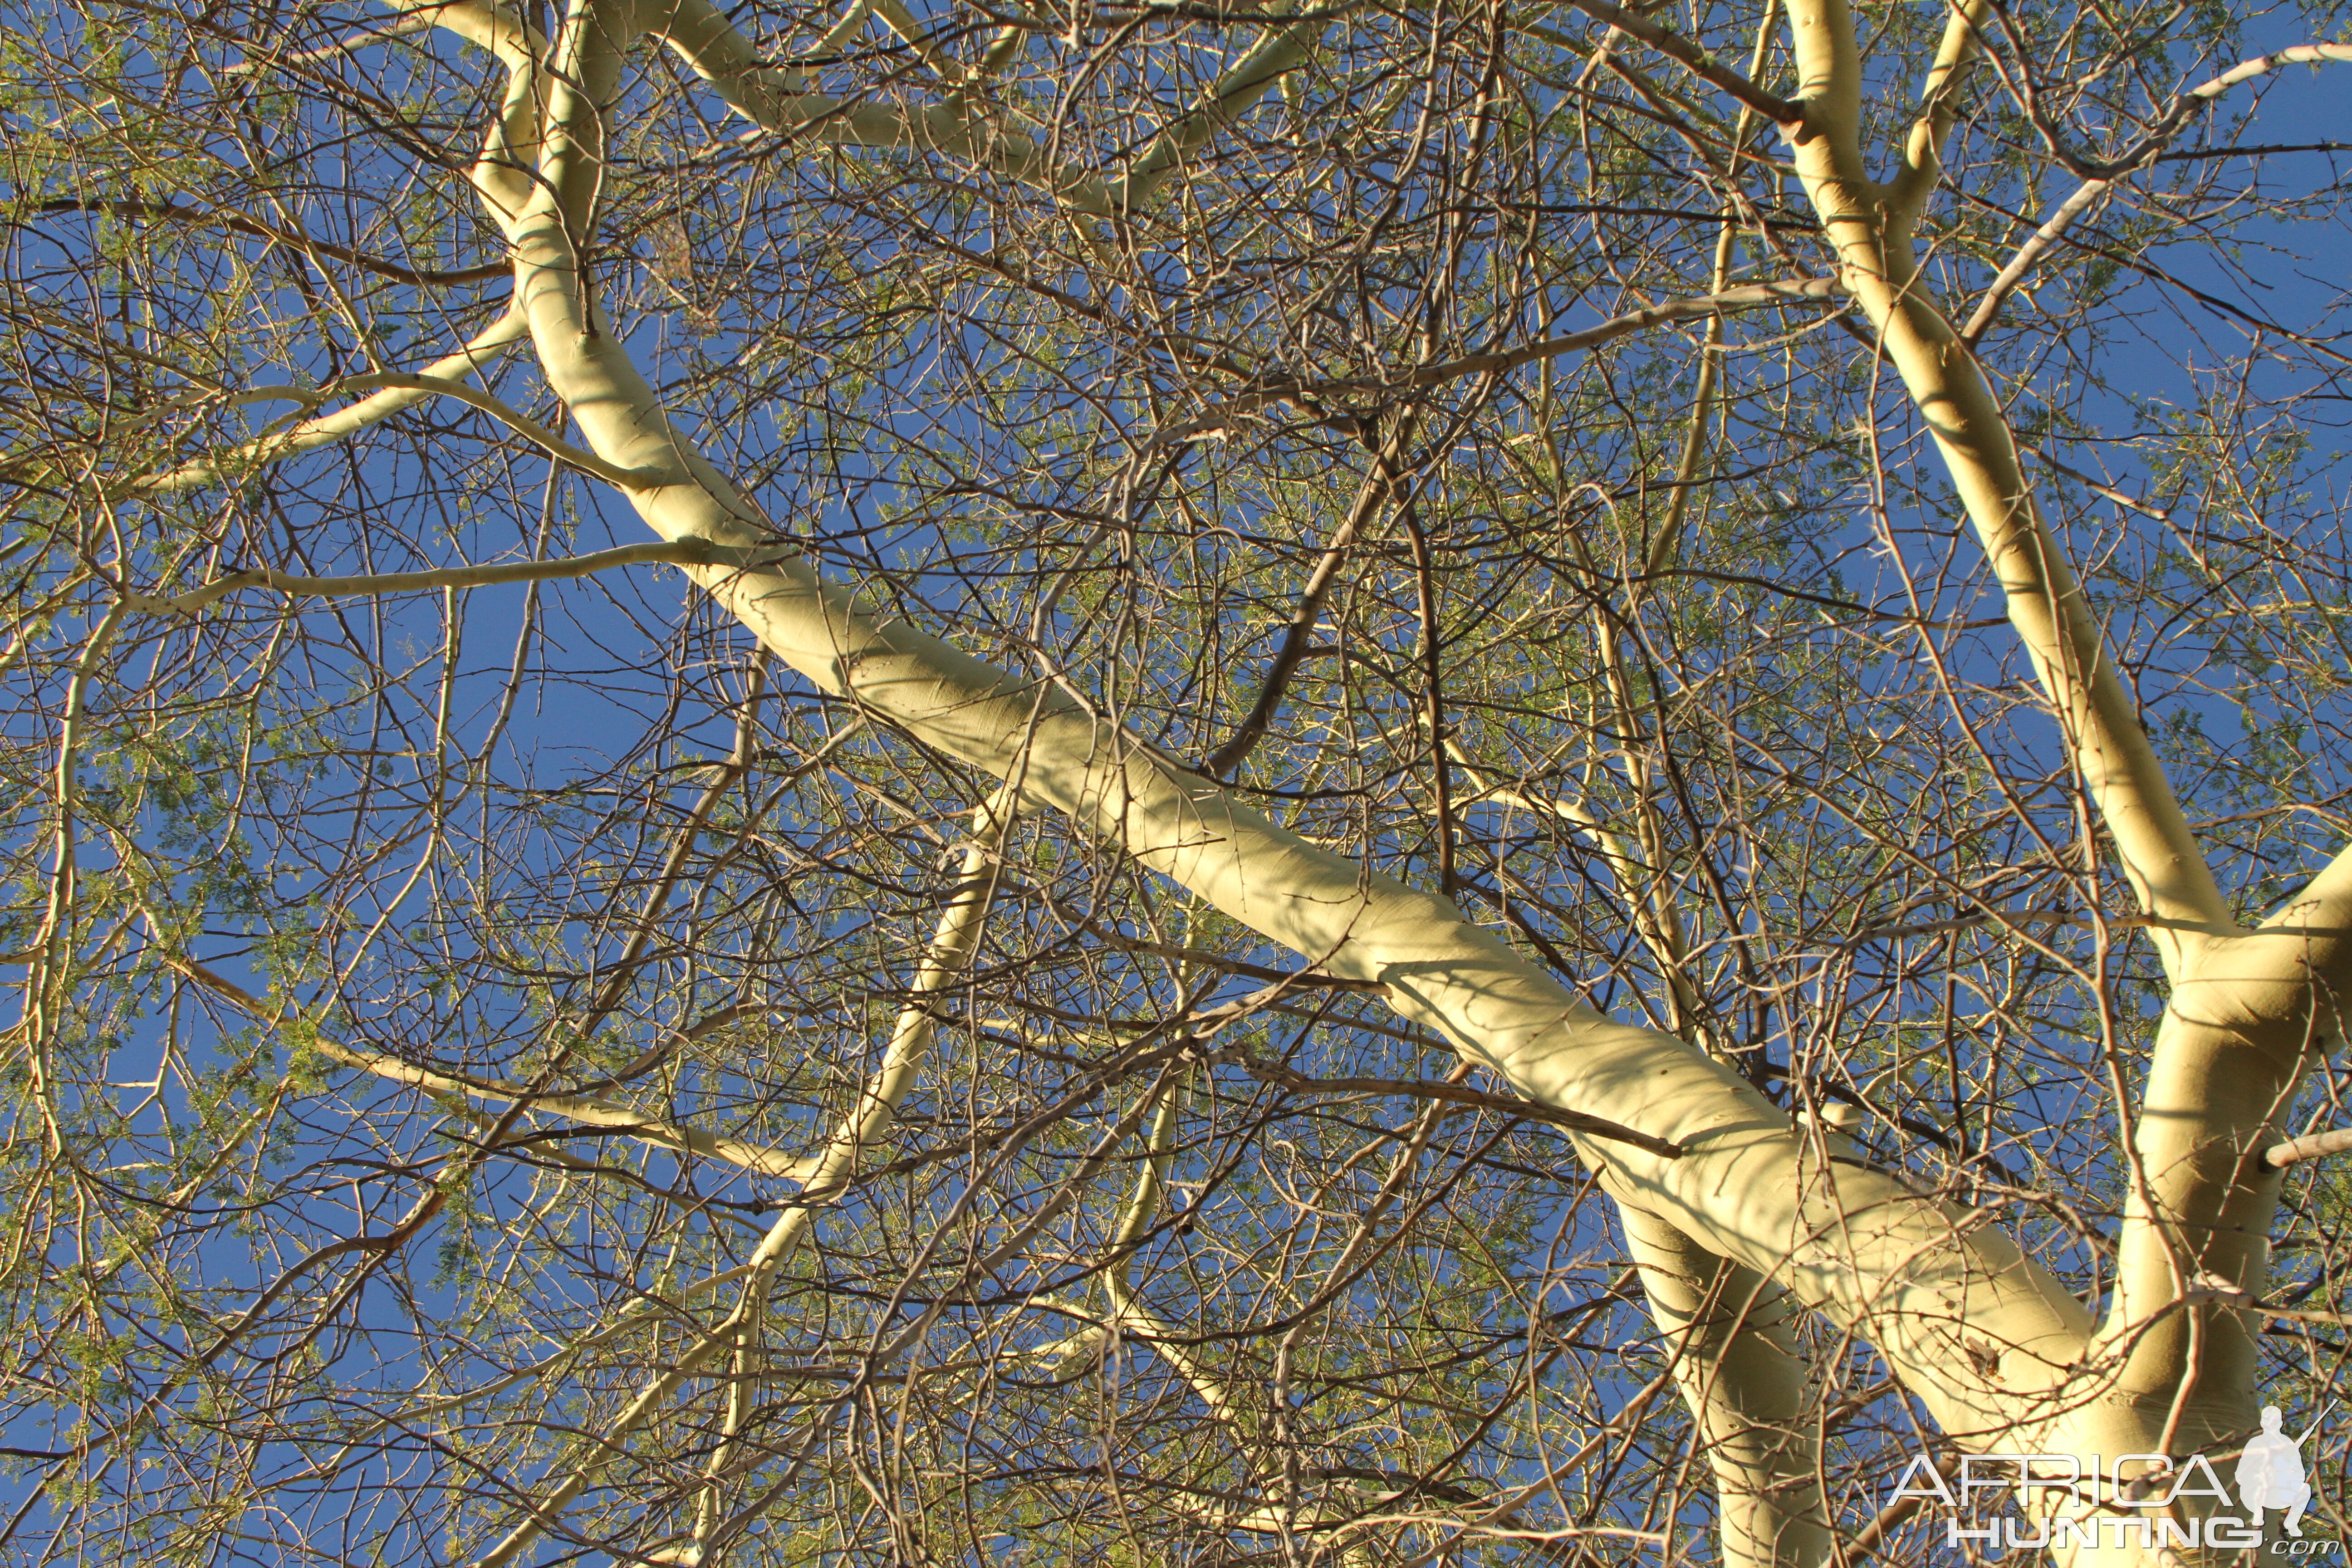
(2312, 1146)
(2242, 1026)
(2046, 603)
(964, 127)
(1925, 1284)
(1743, 1376)
(1854, 1241)
(2172, 1375)
(769, 99)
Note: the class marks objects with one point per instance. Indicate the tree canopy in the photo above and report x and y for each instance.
(1174, 783)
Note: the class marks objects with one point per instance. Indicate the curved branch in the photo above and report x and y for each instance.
(951, 950)
(420, 386)
(1913, 1274)
(396, 396)
(2312, 1146)
(2150, 150)
(1981, 319)
(2099, 717)
(238, 223)
(771, 98)
(587, 1110)
(2184, 108)
(1276, 54)
(1694, 58)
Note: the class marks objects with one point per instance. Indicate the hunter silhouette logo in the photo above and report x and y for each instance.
(2270, 1472)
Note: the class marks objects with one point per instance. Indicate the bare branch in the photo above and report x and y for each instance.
(2312, 1146)
(684, 553)
(1780, 111)
(164, 212)
(587, 1110)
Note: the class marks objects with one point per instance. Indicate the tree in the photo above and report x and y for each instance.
(1353, 738)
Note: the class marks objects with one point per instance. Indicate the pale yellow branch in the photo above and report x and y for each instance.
(2160, 854)
(2312, 1146)
(394, 395)
(2088, 193)
(1130, 1314)
(952, 946)
(2166, 1374)
(683, 552)
(1277, 53)
(1743, 1374)
(899, 20)
(502, 173)
(1915, 1277)
(963, 128)
(422, 387)
(587, 1110)
(771, 98)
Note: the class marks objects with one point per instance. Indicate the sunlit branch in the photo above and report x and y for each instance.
(2244, 1014)
(899, 20)
(2160, 854)
(457, 1088)
(1899, 1268)
(740, 1334)
(2311, 1146)
(1274, 56)
(502, 173)
(420, 386)
(2104, 175)
(1743, 1374)
(690, 553)
(964, 128)
(396, 394)
(1980, 321)
(769, 97)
